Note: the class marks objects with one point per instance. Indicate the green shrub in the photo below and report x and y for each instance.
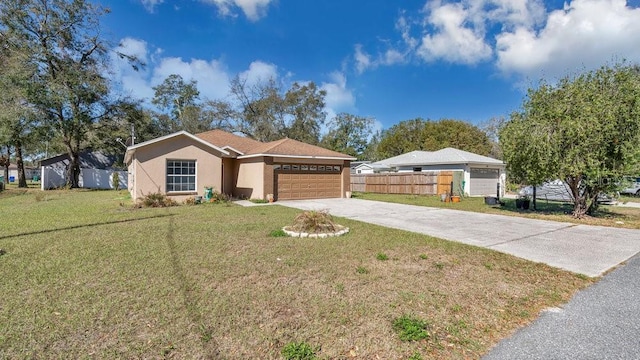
(382, 256)
(218, 197)
(156, 199)
(299, 351)
(278, 233)
(423, 256)
(410, 328)
(415, 356)
(362, 270)
(115, 180)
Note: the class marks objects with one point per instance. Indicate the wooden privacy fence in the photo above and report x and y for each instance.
(416, 183)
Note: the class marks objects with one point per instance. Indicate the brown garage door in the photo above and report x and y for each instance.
(307, 185)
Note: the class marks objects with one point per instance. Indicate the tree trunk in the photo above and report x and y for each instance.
(579, 200)
(6, 166)
(73, 170)
(535, 208)
(22, 181)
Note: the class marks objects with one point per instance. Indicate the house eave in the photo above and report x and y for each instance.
(128, 156)
(298, 157)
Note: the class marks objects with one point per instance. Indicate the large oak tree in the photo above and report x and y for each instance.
(62, 40)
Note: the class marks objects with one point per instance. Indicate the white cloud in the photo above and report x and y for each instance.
(339, 98)
(453, 40)
(211, 76)
(521, 37)
(259, 72)
(252, 9)
(363, 60)
(585, 33)
(393, 56)
(151, 4)
(132, 81)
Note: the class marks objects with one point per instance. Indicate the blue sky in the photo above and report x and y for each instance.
(390, 60)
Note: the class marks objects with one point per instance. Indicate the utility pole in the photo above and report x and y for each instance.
(133, 135)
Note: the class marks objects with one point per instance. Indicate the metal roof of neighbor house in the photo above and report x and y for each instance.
(373, 166)
(225, 139)
(440, 157)
(88, 160)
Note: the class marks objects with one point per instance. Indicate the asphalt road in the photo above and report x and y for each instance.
(601, 322)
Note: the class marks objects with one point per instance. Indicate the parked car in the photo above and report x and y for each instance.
(632, 187)
(557, 190)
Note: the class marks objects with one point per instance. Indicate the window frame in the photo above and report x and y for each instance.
(170, 187)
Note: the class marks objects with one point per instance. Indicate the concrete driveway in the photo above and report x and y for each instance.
(588, 250)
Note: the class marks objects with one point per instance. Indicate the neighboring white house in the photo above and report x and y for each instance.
(29, 172)
(482, 174)
(96, 171)
(371, 168)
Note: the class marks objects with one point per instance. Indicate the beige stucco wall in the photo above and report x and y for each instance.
(250, 179)
(229, 170)
(149, 167)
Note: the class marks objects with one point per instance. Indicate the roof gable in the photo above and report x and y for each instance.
(132, 149)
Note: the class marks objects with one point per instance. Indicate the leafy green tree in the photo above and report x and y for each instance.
(492, 128)
(348, 134)
(263, 111)
(114, 133)
(304, 105)
(62, 39)
(456, 134)
(17, 117)
(402, 137)
(584, 130)
(181, 102)
(419, 134)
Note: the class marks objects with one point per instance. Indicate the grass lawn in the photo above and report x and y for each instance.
(86, 276)
(615, 216)
(629, 198)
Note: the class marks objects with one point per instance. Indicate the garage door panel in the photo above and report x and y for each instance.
(308, 185)
(484, 181)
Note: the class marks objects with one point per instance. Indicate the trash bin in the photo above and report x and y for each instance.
(12, 179)
(208, 193)
(36, 178)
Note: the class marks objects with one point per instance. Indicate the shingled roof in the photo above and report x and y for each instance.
(225, 139)
(283, 147)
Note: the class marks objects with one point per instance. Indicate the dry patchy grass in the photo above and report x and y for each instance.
(84, 276)
(613, 216)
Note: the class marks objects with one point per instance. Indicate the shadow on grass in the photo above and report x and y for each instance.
(544, 207)
(81, 226)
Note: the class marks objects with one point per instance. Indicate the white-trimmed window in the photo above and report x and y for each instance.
(181, 175)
